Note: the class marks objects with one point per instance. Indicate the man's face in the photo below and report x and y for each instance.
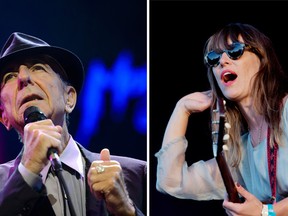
(33, 84)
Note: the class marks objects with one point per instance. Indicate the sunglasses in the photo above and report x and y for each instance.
(212, 58)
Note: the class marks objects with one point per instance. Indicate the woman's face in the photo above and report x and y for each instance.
(236, 77)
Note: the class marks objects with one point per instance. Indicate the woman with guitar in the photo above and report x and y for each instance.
(248, 101)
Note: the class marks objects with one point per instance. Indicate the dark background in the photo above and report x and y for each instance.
(178, 31)
(95, 31)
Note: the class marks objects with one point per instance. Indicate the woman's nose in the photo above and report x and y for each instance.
(224, 59)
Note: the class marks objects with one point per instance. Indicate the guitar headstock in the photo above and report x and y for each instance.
(219, 127)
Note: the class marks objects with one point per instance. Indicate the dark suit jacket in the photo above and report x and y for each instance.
(18, 198)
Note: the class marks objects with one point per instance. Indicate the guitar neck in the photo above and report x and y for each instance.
(227, 179)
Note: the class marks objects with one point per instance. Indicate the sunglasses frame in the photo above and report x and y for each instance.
(236, 47)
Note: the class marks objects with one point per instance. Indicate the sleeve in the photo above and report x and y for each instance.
(135, 175)
(139, 199)
(138, 212)
(17, 197)
(30, 178)
(200, 181)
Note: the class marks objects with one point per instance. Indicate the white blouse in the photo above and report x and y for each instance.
(202, 180)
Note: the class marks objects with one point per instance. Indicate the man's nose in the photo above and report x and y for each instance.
(24, 77)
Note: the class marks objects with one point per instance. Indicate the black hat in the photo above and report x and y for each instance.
(21, 45)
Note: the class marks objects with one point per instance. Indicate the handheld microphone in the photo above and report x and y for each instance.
(33, 114)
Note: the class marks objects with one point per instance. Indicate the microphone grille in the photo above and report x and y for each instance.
(32, 114)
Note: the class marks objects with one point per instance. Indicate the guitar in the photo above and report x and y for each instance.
(219, 137)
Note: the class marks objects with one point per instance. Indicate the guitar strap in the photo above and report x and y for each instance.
(272, 165)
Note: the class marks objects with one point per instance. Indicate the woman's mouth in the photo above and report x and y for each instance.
(228, 77)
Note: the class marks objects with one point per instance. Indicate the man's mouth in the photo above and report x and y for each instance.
(30, 98)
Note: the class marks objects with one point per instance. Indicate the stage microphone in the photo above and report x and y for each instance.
(33, 114)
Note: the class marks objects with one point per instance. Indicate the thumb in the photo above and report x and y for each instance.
(105, 154)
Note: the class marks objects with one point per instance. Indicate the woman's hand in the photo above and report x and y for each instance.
(195, 102)
(191, 103)
(251, 207)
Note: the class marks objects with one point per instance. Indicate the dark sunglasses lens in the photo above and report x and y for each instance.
(213, 58)
(237, 51)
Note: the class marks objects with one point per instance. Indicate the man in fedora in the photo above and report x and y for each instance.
(39, 87)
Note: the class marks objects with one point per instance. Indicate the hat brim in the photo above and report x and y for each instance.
(68, 60)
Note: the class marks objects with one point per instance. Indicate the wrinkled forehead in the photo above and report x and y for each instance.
(14, 65)
(29, 61)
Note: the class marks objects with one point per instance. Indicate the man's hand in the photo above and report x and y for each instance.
(105, 179)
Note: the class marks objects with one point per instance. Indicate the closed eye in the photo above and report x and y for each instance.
(38, 67)
(8, 76)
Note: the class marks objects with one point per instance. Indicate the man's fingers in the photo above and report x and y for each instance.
(105, 154)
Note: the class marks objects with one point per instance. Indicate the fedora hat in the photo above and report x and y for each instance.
(20, 45)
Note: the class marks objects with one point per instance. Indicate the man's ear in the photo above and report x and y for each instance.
(4, 120)
(71, 99)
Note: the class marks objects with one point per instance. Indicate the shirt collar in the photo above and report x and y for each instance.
(71, 156)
